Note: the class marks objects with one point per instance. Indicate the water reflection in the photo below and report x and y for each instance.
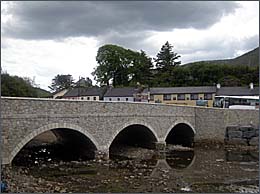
(180, 159)
(242, 156)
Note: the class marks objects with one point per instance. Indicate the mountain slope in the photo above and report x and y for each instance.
(250, 58)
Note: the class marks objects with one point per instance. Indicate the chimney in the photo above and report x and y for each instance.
(251, 86)
(218, 86)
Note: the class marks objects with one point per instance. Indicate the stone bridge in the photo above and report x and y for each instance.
(102, 123)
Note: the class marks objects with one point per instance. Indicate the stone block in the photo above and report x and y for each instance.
(232, 128)
(254, 141)
(249, 134)
(234, 134)
(246, 128)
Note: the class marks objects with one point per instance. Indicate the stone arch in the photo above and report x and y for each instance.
(176, 123)
(128, 124)
(180, 122)
(48, 127)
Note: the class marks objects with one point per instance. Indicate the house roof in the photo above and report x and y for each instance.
(58, 91)
(238, 91)
(120, 92)
(83, 92)
(182, 90)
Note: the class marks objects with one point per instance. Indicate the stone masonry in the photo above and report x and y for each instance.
(22, 119)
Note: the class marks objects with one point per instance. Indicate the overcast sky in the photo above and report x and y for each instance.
(42, 39)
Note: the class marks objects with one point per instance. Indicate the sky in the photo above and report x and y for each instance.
(42, 39)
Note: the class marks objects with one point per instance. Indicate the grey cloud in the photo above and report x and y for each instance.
(213, 49)
(55, 20)
(135, 41)
(251, 42)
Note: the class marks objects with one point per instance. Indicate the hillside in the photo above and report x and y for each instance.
(250, 58)
(41, 93)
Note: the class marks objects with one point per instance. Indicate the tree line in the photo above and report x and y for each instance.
(123, 67)
(16, 86)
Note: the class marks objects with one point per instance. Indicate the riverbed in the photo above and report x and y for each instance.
(201, 169)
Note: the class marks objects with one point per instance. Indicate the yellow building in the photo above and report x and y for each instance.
(191, 96)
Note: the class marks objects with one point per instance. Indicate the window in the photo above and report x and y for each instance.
(181, 97)
(174, 98)
(95, 98)
(167, 97)
(87, 98)
(126, 99)
(152, 97)
(110, 99)
(208, 96)
(82, 98)
(194, 96)
(118, 99)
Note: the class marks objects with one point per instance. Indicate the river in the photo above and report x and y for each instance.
(202, 169)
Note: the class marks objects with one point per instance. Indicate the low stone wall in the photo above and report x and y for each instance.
(245, 135)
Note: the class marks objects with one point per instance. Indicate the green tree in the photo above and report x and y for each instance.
(166, 58)
(166, 61)
(60, 82)
(141, 69)
(112, 66)
(121, 66)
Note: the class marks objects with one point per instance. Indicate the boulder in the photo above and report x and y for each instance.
(254, 141)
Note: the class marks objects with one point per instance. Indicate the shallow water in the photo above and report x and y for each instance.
(198, 170)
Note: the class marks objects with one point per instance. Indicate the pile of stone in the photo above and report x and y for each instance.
(243, 135)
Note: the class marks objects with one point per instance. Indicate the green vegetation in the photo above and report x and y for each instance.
(124, 67)
(20, 87)
(60, 82)
(207, 74)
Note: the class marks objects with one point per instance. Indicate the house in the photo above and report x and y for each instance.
(127, 94)
(238, 91)
(58, 94)
(192, 96)
(80, 93)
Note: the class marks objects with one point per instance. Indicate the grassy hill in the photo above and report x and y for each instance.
(250, 58)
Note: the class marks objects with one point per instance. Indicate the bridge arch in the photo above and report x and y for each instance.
(49, 127)
(181, 132)
(148, 128)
